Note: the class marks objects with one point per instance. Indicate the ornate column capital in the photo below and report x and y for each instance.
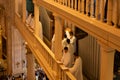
(105, 46)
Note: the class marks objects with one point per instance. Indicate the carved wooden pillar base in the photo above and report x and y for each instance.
(106, 62)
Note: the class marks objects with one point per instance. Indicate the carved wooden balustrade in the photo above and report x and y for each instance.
(102, 10)
(53, 68)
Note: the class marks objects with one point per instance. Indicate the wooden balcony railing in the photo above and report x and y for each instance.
(54, 69)
(101, 10)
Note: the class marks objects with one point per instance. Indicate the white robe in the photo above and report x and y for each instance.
(71, 51)
(66, 59)
(70, 48)
(32, 23)
(76, 70)
(67, 34)
(40, 31)
(28, 20)
(53, 44)
(64, 43)
(73, 42)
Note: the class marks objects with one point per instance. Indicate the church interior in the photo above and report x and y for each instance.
(59, 39)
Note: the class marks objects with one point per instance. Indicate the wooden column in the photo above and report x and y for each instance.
(30, 65)
(106, 62)
(9, 48)
(36, 18)
(58, 37)
(10, 13)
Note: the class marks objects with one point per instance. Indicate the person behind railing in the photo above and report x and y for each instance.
(23, 76)
(31, 23)
(9, 77)
(27, 22)
(73, 41)
(64, 43)
(53, 43)
(66, 58)
(76, 70)
(70, 49)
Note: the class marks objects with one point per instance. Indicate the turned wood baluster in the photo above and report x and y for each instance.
(109, 12)
(82, 7)
(24, 10)
(115, 15)
(72, 4)
(65, 2)
(92, 8)
(79, 5)
(97, 9)
(75, 4)
(68, 3)
(59, 1)
(87, 7)
(102, 10)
